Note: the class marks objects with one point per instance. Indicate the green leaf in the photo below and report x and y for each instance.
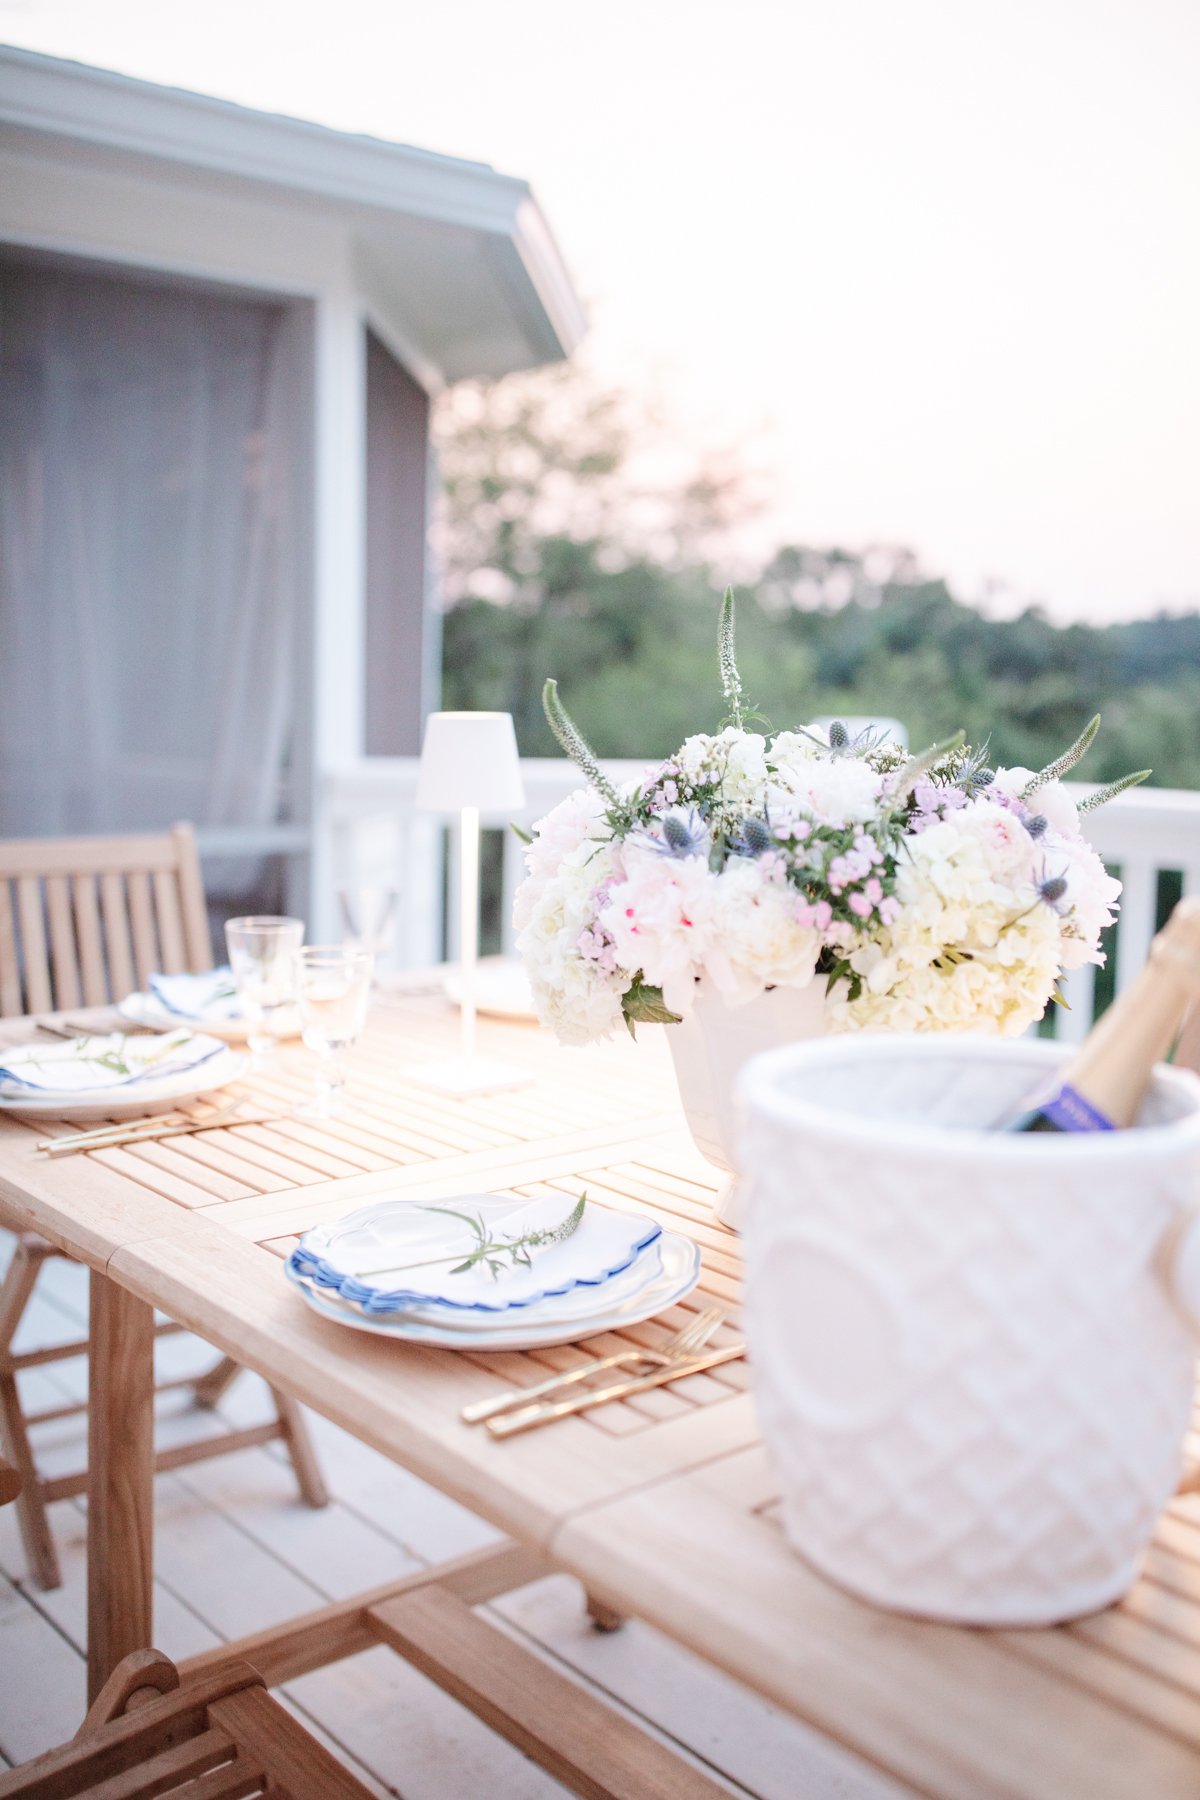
(646, 1006)
(526, 837)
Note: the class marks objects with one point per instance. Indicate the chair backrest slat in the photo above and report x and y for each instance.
(170, 922)
(62, 941)
(95, 917)
(116, 934)
(89, 941)
(242, 1779)
(197, 943)
(33, 944)
(141, 921)
(10, 967)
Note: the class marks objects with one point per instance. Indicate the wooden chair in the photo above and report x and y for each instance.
(10, 1482)
(85, 921)
(220, 1737)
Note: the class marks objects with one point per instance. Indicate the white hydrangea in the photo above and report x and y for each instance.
(553, 907)
(735, 758)
(974, 947)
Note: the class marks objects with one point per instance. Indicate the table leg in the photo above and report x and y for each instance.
(120, 1477)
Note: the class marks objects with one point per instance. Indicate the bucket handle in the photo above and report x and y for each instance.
(1179, 1263)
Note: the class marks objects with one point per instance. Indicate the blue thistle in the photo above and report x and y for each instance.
(680, 834)
(1051, 889)
(754, 838)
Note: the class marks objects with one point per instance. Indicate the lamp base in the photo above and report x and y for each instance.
(461, 1076)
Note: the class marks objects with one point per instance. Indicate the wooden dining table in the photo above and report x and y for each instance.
(664, 1504)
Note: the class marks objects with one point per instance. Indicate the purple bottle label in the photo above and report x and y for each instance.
(1068, 1109)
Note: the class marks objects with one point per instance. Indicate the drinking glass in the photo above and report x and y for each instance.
(262, 955)
(369, 916)
(333, 983)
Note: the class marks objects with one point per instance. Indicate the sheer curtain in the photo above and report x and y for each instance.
(149, 593)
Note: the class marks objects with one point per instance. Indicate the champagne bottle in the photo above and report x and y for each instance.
(1102, 1085)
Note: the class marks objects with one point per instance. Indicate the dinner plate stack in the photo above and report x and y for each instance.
(110, 1076)
(490, 1271)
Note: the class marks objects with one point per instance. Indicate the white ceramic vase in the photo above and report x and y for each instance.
(710, 1048)
(974, 1352)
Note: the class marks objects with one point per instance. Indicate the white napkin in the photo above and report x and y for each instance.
(423, 1265)
(212, 995)
(114, 1061)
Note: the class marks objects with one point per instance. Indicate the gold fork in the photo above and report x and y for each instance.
(676, 1349)
(112, 1137)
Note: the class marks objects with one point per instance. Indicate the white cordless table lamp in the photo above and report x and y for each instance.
(469, 765)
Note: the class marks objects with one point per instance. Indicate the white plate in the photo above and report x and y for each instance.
(145, 1098)
(148, 1010)
(678, 1273)
(501, 990)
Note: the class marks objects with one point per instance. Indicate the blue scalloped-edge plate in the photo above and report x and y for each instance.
(677, 1276)
(312, 1259)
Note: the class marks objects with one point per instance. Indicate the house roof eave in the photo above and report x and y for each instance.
(364, 177)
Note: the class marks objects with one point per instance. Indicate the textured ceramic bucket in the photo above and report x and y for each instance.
(972, 1351)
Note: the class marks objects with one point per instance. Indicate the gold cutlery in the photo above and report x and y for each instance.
(110, 1137)
(73, 1028)
(545, 1412)
(690, 1339)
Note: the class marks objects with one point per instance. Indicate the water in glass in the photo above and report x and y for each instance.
(262, 952)
(333, 986)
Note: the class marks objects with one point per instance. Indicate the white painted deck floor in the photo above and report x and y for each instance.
(235, 1550)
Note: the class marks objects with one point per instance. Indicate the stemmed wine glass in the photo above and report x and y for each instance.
(369, 917)
(262, 952)
(333, 983)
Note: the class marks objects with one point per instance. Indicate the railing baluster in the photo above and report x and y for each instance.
(1139, 899)
(514, 871)
(1073, 1021)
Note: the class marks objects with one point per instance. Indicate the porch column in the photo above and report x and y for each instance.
(339, 575)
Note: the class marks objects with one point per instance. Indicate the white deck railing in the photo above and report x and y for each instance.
(373, 834)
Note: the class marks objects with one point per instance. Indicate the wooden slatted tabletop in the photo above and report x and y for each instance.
(665, 1504)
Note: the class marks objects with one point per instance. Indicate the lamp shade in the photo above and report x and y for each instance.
(469, 759)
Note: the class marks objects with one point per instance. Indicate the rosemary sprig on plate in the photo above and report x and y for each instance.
(499, 1253)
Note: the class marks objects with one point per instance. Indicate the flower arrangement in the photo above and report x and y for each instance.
(930, 892)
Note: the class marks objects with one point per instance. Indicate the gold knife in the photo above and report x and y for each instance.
(530, 1417)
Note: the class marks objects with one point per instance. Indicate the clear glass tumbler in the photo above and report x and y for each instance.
(262, 955)
(333, 987)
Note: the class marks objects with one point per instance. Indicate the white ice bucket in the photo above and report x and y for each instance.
(973, 1352)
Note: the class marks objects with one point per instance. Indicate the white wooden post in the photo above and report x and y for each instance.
(339, 573)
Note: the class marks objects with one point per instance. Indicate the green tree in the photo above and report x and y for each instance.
(574, 547)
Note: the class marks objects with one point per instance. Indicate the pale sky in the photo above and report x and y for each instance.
(940, 259)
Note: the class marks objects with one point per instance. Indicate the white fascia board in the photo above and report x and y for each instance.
(74, 102)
